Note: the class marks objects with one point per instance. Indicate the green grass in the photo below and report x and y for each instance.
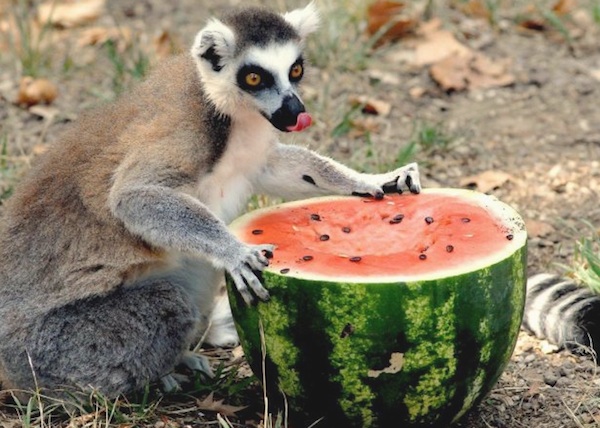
(7, 170)
(144, 408)
(427, 139)
(341, 44)
(595, 9)
(34, 59)
(586, 260)
(128, 66)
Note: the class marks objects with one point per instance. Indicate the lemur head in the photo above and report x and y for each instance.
(252, 58)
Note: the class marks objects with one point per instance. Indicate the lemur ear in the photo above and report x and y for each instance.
(304, 21)
(215, 43)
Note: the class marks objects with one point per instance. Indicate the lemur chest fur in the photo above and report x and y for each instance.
(229, 184)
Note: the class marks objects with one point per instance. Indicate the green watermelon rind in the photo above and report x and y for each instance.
(395, 353)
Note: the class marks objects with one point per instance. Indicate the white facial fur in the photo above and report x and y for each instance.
(305, 20)
(277, 59)
(221, 86)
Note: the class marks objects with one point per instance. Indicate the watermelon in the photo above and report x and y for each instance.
(395, 312)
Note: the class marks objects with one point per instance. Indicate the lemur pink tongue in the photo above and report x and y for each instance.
(302, 122)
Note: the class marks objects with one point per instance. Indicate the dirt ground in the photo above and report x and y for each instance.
(533, 140)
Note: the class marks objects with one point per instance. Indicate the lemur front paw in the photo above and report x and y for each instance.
(404, 178)
(244, 273)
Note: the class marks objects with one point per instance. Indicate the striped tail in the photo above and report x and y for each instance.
(562, 312)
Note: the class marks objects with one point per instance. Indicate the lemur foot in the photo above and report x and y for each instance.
(198, 363)
(172, 382)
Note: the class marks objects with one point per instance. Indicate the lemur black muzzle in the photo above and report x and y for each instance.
(291, 116)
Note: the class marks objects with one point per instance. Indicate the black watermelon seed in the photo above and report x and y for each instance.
(428, 220)
(449, 248)
(307, 258)
(347, 331)
(315, 217)
(465, 219)
(355, 259)
(397, 219)
(509, 237)
(284, 271)
(346, 230)
(422, 256)
(257, 232)
(324, 238)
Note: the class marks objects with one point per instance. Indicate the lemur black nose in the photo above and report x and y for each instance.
(286, 117)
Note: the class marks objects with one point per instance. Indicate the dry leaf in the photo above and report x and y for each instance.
(212, 405)
(36, 91)
(474, 71)
(564, 7)
(417, 92)
(436, 44)
(476, 8)
(538, 228)
(486, 181)
(384, 77)
(372, 105)
(533, 24)
(388, 18)
(362, 126)
(99, 35)
(69, 14)
(82, 421)
(165, 44)
(46, 112)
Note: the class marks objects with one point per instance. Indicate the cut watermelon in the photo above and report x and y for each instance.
(397, 312)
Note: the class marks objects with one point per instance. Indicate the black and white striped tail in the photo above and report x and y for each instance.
(562, 312)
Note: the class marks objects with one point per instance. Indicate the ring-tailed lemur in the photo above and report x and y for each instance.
(113, 248)
(563, 312)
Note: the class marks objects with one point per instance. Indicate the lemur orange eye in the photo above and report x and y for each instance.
(296, 71)
(253, 79)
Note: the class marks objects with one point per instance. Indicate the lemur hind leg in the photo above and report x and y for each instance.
(115, 343)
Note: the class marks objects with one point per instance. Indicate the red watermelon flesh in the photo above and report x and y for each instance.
(422, 235)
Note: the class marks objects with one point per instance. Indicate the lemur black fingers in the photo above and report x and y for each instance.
(413, 186)
(268, 254)
(390, 186)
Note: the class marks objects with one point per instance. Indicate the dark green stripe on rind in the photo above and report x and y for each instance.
(414, 354)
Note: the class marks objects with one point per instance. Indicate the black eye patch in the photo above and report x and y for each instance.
(297, 70)
(254, 78)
